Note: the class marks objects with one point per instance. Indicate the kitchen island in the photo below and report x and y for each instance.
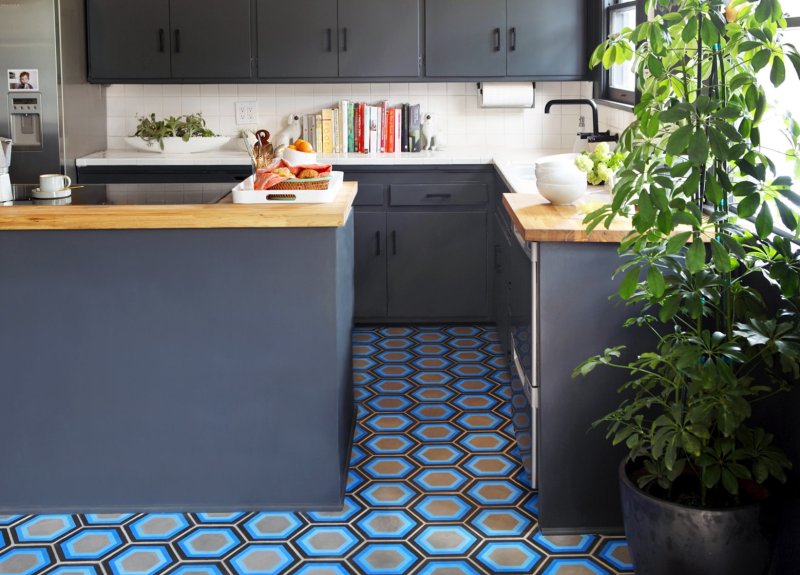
(183, 357)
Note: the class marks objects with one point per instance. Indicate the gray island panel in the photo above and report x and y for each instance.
(175, 369)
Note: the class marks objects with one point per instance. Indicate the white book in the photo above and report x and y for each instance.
(398, 127)
(374, 145)
(335, 130)
(366, 131)
(344, 122)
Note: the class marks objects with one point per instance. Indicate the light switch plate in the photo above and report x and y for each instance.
(246, 112)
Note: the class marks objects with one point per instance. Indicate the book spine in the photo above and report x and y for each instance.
(382, 125)
(351, 127)
(414, 130)
(343, 124)
(318, 132)
(404, 133)
(389, 123)
(398, 119)
(327, 131)
(335, 130)
(366, 131)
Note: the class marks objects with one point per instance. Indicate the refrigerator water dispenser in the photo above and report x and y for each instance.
(24, 111)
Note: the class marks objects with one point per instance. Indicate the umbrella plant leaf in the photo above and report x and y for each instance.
(698, 147)
(764, 221)
(778, 73)
(696, 256)
(679, 140)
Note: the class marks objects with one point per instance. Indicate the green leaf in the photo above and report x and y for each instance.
(698, 148)
(761, 107)
(669, 308)
(674, 114)
(761, 59)
(689, 30)
(627, 286)
(722, 260)
(676, 242)
(714, 192)
(679, 140)
(748, 206)
(654, 65)
(788, 217)
(764, 221)
(708, 32)
(763, 10)
(696, 256)
(655, 281)
(778, 73)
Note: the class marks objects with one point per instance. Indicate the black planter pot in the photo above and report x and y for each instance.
(665, 538)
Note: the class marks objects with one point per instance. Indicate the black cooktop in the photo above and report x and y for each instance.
(97, 195)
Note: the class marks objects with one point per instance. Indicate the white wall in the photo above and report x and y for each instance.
(455, 106)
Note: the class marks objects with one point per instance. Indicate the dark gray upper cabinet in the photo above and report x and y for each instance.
(546, 38)
(210, 38)
(508, 38)
(128, 39)
(297, 39)
(179, 39)
(379, 38)
(465, 38)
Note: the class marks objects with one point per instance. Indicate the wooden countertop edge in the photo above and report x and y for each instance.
(553, 223)
(189, 216)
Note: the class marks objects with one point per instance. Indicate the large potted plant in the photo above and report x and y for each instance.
(719, 294)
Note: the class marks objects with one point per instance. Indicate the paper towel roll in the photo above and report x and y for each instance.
(506, 94)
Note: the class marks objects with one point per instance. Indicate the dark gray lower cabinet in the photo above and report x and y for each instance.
(422, 249)
(370, 264)
(437, 264)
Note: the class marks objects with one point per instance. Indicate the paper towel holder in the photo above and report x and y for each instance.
(533, 100)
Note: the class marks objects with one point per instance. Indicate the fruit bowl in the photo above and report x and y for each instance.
(174, 145)
(297, 158)
(560, 194)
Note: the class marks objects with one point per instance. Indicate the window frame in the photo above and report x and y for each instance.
(629, 97)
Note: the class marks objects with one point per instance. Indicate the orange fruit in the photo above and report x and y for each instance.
(291, 147)
(303, 146)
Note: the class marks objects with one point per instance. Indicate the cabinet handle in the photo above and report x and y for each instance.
(439, 196)
(394, 243)
(329, 33)
(160, 39)
(177, 41)
(344, 39)
(378, 243)
(512, 40)
(497, 39)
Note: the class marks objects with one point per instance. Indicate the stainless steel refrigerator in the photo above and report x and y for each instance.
(47, 107)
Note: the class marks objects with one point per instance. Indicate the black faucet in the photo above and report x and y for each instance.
(595, 135)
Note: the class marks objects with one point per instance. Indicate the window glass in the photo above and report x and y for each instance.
(621, 76)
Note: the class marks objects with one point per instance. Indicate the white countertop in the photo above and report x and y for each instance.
(239, 158)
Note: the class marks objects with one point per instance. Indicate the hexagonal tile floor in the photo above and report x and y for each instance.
(434, 490)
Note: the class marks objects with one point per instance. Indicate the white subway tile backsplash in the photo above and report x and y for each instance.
(454, 105)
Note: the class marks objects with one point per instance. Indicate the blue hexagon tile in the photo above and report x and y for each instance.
(435, 487)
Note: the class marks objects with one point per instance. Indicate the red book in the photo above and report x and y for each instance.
(359, 127)
(389, 124)
(382, 134)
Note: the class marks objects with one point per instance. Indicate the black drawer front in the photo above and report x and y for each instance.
(458, 194)
(369, 195)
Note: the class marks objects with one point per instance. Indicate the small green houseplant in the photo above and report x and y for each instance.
(720, 296)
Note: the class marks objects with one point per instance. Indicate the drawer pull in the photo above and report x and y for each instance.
(512, 39)
(160, 39)
(497, 39)
(394, 243)
(378, 243)
(330, 41)
(438, 196)
(177, 41)
(344, 39)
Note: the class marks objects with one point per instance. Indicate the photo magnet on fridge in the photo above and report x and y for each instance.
(23, 79)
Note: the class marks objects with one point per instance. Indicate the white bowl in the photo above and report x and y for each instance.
(561, 194)
(174, 145)
(556, 159)
(296, 157)
(562, 178)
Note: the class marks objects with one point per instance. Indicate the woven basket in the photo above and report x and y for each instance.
(308, 184)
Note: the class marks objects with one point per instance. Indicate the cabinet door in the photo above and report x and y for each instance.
(465, 38)
(210, 38)
(128, 40)
(547, 38)
(437, 264)
(297, 39)
(379, 38)
(370, 264)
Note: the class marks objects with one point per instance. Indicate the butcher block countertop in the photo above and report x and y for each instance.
(539, 221)
(224, 214)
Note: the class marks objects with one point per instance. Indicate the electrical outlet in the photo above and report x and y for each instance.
(582, 122)
(246, 112)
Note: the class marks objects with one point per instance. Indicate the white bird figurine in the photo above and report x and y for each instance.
(291, 133)
(428, 131)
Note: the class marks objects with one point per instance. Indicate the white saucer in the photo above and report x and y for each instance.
(40, 195)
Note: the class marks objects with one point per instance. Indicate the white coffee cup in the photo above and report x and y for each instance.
(53, 182)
